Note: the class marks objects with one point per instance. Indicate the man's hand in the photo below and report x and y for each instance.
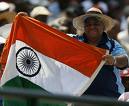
(120, 61)
(109, 59)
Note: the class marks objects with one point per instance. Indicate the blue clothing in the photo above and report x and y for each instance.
(108, 82)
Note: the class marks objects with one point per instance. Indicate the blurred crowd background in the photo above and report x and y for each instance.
(60, 13)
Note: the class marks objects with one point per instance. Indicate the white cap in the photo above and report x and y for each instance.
(40, 10)
(4, 6)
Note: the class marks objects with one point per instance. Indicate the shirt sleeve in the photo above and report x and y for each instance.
(118, 49)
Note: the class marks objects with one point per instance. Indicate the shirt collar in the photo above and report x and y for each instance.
(103, 40)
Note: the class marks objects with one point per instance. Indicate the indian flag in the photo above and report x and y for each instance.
(40, 57)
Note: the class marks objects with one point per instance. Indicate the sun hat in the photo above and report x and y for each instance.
(40, 10)
(78, 22)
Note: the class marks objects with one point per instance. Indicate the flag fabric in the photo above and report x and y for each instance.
(40, 57)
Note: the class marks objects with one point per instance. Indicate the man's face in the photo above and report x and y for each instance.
(93, 27)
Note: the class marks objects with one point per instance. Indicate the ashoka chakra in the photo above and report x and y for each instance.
(27, 62)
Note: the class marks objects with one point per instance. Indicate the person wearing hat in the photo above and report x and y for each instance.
(40, 13)
(7, 15)
(93, 27)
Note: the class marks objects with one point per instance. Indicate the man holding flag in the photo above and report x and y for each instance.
(37, 56)
(93, 25)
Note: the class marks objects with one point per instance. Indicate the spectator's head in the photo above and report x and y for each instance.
(93, 13)
(6, 13)
(40, 13)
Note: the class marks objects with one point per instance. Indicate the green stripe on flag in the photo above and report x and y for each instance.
(19, 82)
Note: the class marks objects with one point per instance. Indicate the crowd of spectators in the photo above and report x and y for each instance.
(117, 9)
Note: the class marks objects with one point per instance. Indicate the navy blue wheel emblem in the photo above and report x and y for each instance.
(27, 62)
